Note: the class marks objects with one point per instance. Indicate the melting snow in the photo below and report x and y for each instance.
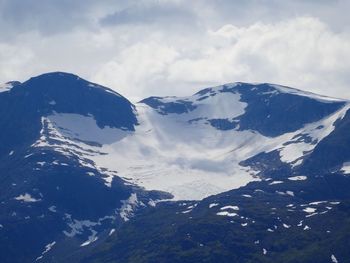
(346, 168)
(334, 259)
(111, 232)
(152, 203)
(233, 207)
(307, 228)
(47, 249)
(321, 98)
(309, 210)
(27, 198)
(225, 213)
(126, 211)
(184, 162)
(317, 202)
(276, 182)
(297, 178)
(285, 193)
(91, 239)
(213, 205)
(52, 209)
(148, 157)
(292, 152)
(291, 193)
(77, 226)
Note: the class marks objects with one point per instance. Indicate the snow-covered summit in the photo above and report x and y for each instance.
(194, 146)
(191, 147)
(267, 108)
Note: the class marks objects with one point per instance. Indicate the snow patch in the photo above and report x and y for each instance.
(309, 210)
(225, 213)
(306, 228)
(91, 239)
(316, 131)
(184, 162)
(334, 259)
(52, 209)
(48, 247)
(233, 207)
(276, 182)
(345, 168)
(213, 205)
(127, 209)
(27, 198)
(111, 232)
(297, 178)
(321, 98)
(77, 227)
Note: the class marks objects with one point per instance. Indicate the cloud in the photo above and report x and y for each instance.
(175, 47)
(47, 17)
(151, 12)
(139, 70)
(13, 59)
(301, 52)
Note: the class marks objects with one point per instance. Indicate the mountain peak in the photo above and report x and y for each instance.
(78, 162)
(265, 89)
(56, 74)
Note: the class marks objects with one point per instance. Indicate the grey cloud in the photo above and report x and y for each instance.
(150, 12)
(242, 13)
(48, 17)
(150, 47)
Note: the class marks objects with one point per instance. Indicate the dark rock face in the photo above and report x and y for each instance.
(268, 111)
(22, 107)
(272, 113)
(54, 191)
(333, 151)
(177, 106)
(267, 226)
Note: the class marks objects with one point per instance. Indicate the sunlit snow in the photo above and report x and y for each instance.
(190, 160)
(26, 198)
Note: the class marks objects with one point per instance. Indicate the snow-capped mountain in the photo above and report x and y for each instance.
(78, 160)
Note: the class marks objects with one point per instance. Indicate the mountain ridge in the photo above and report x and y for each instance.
(88, 166)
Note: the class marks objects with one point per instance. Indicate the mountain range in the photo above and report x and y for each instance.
(235, 173)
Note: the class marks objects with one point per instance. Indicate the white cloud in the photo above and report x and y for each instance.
(13, 59)
(168, 47)
(138, 69)
(301, 52)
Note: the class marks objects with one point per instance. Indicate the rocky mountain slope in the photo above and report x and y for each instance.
(240, 172)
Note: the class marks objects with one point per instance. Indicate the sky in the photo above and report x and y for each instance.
(177, 47)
